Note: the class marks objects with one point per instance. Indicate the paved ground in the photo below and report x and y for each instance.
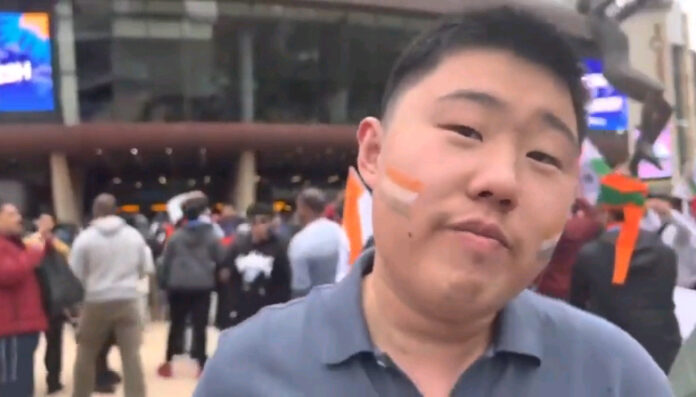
(154, 345)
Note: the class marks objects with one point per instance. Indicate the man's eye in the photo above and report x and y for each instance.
(464, 131)
(544, 158)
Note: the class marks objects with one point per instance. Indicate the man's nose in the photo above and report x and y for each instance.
(495, 179)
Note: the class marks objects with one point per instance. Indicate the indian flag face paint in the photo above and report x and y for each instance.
(401, 190)
(548, 246)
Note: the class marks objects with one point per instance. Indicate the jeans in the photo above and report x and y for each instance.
(17, 364)
(98, 321)
(182, 305)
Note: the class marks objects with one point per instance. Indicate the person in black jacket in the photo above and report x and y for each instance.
(255, 273)
(641, 301)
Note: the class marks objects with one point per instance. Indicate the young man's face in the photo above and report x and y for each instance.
(45, 223)
(10, 221)
(486, 144)
(261, 227)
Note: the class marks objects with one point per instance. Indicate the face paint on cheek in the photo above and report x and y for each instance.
(548, 246)
(401, 190)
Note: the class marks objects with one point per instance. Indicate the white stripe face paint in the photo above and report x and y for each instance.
(547, 248)
(401, 190)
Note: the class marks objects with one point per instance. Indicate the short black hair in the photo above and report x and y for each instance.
(501, 27)
(314, 199)
(104, 204)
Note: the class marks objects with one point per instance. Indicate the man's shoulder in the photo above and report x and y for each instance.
(267, 335)
(593, 346)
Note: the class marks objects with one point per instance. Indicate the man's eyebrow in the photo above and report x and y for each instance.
(482, 98)
(556, 124)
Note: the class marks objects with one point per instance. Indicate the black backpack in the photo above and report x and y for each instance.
(60, 288)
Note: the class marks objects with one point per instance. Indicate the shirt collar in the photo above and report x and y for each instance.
(519, 331)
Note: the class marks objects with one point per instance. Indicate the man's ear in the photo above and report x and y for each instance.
(370, 134)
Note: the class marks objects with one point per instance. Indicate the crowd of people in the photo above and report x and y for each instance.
(248, 262)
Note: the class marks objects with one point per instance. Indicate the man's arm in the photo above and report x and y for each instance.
(299, 267)
(78, 259)
(14, 270)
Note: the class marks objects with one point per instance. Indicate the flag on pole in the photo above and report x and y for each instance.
(592, 168)
(357, 218)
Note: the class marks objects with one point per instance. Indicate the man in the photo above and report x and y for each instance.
(582, 227)
(54, 334)
(255, 273)
(318, 248)
(22, 315)
(474, 167)
(678, 231)
(189, 262)
(109, 258)
(628, 275)
(229, 220)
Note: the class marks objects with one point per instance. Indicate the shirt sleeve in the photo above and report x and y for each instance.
(78, 260)
(299, 265)
(14, 269)
(641, 376)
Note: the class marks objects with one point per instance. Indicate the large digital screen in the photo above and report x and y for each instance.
(607, 108)
(26, 71)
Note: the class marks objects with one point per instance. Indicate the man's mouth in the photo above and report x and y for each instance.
(481, 230)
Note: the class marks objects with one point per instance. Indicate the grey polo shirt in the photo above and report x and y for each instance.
(320, 346)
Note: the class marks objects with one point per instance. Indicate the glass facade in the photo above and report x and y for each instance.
(233, 61)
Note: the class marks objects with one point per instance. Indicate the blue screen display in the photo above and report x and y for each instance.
(26, 71)
(607, 108)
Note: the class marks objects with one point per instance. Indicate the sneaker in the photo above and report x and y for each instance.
(55, 388)
(105, 389)
(165, 370)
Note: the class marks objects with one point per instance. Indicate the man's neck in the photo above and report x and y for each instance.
(312, 220)
(432, 351)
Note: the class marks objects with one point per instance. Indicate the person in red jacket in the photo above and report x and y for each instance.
(22, 316)
(584, 226)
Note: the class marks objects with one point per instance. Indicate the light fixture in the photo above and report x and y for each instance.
(203, 151)
(334, 179)
(192, 182)
(168, 151)
(134, 151)
(138, 185)
(99, 152)
(117, 181)
(207, 179)
(162, 180)
(296, 179)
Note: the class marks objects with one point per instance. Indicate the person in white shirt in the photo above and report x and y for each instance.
(677, 231)
(316, 251)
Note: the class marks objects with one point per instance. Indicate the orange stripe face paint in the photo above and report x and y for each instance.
(401, 190)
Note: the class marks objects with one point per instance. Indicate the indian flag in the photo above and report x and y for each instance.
(592, 168)
(357, 219)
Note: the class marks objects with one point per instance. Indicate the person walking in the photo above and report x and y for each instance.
(53, 358)
(255, 273)
(188, 265)
(318, 248)
(109, 259)
(22, 316)
(627, 275)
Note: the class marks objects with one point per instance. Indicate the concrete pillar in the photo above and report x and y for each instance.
(687, 87)
(245, 182)
(65, 199)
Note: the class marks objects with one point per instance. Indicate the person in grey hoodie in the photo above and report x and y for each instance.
(109, 257)
(189, 263)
